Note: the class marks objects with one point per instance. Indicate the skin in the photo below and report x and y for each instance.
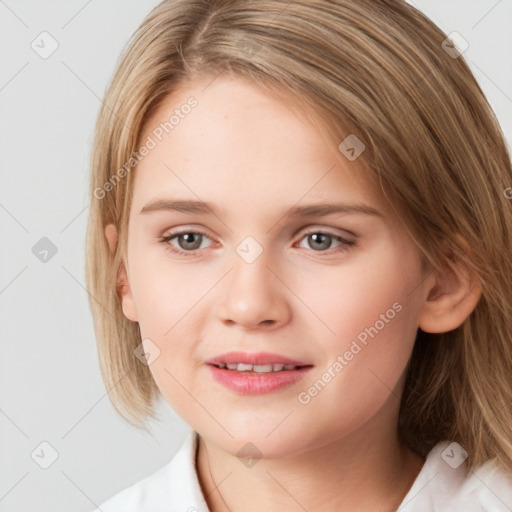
(253, 157)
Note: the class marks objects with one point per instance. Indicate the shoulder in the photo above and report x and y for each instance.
(444, 483)
(172, 487)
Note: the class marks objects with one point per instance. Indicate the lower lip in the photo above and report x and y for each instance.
(248, 383)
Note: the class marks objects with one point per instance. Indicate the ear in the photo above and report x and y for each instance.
(123, 284)
(453, 293)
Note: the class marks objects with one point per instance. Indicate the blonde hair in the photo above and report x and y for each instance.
(375, 68)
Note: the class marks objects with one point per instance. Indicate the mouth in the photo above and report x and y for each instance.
(261, 361)
(256, 373)
(259, 368)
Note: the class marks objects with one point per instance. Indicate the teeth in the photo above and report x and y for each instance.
(258, 368)
(261, 368)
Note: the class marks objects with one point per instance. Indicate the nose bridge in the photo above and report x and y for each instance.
(253, 293)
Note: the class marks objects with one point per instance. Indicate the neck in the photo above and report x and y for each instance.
(357, 473)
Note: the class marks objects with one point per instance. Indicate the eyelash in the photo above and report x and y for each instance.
(345, 244)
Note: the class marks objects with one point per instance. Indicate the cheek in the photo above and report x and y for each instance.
(350, 298)
(165, 293)
(369, 318)
(170, 302)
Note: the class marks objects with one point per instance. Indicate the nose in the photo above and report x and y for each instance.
(254, 296)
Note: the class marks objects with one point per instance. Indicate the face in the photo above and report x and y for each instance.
(338, 293)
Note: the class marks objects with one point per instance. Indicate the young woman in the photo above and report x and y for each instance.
(300, 236)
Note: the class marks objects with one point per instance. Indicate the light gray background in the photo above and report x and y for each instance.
(50, 385)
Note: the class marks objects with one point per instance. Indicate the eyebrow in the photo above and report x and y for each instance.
(312, 210)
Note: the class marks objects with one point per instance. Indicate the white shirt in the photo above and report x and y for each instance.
(440, 486)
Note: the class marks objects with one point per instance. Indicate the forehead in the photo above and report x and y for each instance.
(239, 140)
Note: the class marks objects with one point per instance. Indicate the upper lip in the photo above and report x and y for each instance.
(254, 358)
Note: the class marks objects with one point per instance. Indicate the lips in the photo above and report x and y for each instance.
(256, 373)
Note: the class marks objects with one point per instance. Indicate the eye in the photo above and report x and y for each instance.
(187, 239)
(190, 241)
(323, 239)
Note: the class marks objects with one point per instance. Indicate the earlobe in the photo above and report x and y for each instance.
(123, 284)
(454, 295)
